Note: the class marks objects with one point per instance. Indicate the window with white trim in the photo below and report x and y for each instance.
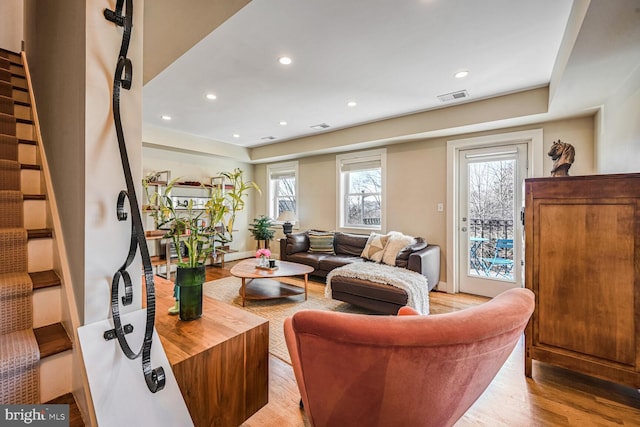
(361, 181)
(283, 189)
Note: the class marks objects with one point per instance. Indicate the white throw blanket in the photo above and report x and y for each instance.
(414, 284)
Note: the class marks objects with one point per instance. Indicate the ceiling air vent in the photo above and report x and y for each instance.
(320, 126)
(453, 96)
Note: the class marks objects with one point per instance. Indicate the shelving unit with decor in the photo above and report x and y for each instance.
(162, 249)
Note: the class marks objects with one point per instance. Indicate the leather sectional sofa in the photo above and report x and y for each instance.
(347, 248)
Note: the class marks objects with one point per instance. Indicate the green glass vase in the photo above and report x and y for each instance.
(189, 281)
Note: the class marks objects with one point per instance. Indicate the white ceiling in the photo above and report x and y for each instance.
(391, 57)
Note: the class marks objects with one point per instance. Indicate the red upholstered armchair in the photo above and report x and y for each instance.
(358, 370)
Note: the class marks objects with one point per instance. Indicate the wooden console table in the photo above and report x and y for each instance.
(220, 361)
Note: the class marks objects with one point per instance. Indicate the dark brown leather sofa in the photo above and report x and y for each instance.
(419, 257)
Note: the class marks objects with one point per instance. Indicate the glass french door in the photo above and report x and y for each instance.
(490, 200)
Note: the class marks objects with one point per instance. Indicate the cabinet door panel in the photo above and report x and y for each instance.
(586, 282)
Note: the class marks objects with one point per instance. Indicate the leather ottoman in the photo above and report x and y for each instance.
(378, 297)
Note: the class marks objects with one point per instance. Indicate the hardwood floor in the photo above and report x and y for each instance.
(553, 397)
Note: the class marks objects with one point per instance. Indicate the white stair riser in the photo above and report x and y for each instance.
(27, 154)
(19, 82)
(40, 253)
(46, 306)
(55, 375)
(30, 181)
(16, 70)
(35, 214)
(24, 131)
(20, 95)
(22, 112)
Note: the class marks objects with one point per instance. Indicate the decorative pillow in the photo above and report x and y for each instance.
(397, 242)
(374, 248)
(297, 242)
(321, 242)
(402, 260)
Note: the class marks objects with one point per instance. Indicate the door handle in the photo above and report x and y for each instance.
(464, 229)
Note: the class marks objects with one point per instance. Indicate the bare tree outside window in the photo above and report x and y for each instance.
(285, 195)
(363, 197)
(491, 203)
(491, 189)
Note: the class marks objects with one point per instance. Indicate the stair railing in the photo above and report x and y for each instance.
(154, 377)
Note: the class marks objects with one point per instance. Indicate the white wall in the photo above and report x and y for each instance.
(618, 138)
(106, 239)
(12, 12)
(416, 181)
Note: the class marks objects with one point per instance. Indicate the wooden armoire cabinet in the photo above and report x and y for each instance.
(582, 255)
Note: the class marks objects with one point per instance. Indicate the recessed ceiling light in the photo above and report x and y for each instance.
(352, 104)
(283, 123)
(285, 60)
(461, 74)
(235, 135)
(165, 117)
(211, 96)
(320, 126)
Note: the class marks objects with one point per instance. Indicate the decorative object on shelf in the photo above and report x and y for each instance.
(263, 255)
(261, 230)
(563, 155)
(154, 377)
(287, 217)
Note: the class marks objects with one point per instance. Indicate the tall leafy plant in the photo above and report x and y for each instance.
(235, 195)
(184, 223)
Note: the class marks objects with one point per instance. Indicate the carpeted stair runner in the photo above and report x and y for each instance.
(9, 175)
(6, 89)
(19, 359)
(6, 105)
(13, 250)
(11, 206)
(7, 124)
(16, 306)
(19, 353)
(9, 148)
(5, 75)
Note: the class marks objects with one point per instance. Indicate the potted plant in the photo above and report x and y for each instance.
(261, 230)
(198, 230)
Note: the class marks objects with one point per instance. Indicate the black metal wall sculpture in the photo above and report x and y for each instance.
(154, 378)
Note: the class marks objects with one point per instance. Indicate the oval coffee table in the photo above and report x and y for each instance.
(261, 284)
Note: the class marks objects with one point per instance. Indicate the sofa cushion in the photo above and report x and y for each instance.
(397, 241)
(329, 263)
(297, 242)
(308, 258)
(350, 244)
(374, 248)
(402, 260)
(321, 242)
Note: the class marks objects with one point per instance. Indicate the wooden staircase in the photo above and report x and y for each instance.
(54, 344)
